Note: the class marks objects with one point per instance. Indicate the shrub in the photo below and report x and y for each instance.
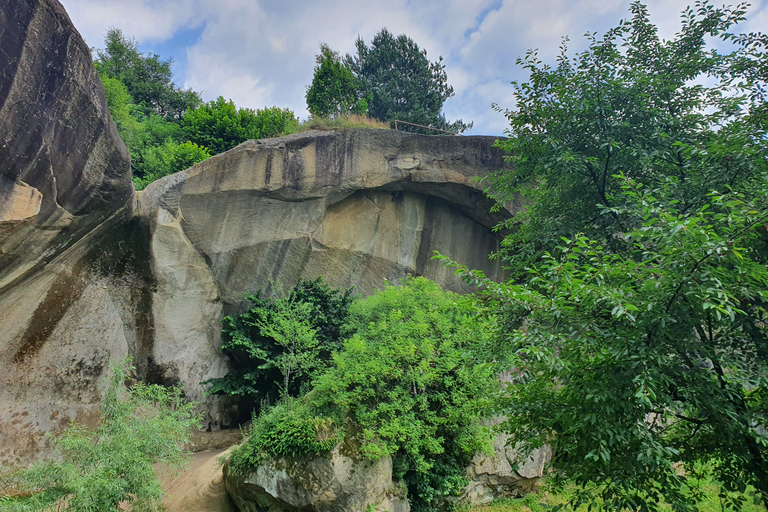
(406, 385)
(97, 469)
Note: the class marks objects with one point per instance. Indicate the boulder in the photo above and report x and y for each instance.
(329, 482)
(505, 474)
(357, 207)
(65, 195)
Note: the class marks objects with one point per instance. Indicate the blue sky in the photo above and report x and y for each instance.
(261, 52)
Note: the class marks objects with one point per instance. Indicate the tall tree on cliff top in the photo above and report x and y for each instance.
(637, 318)
(148, 78)
(402, 82)
(334, 90)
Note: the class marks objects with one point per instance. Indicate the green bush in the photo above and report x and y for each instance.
(406, 385)
(170, 158)
(254, 353)
(95, 470)
(219, 125)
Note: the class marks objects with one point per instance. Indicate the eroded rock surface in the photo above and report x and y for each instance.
(330, 482)
(359, 207)
(65, 189)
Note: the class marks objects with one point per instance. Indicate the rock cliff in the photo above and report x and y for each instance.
(64, 185)
(85, 280)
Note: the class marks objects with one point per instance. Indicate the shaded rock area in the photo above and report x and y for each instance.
(330, 482)
(65, 190)
(360, 208)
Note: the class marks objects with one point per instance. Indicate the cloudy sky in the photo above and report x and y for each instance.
(261, 52)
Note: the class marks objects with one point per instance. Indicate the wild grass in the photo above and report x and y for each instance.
(339, 123)
(544, 499)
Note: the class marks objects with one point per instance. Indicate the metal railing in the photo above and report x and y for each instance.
(421, 126)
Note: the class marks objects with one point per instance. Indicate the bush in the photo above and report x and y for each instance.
(97, 469)
(170, 158)
(406, 385)
(254, 353)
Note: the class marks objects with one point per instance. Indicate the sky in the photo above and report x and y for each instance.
(261, 53)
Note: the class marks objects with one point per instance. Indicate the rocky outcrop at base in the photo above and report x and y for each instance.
(329, 482)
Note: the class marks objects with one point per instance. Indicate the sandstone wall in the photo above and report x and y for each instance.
(360, 208)
(88, 275)
(64, 185)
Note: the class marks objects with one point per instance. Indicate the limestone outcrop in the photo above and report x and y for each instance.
(65, 190)
(358, 207)
(329, 482)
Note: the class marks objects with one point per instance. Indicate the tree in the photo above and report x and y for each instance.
(100, 468)
(149, 79)
(402, 83)
(334, 89)
(635, 320)
(170, 158)
(631, 103)
(219, 125)
(256, 351)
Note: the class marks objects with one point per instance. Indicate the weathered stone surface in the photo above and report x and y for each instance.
(330, 482)
(505, 474)
(65, 190)
(359, 207)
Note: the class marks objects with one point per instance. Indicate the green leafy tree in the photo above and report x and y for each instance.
(219, 125)
(406, 385)
(170, 158)
(635, 322)
(254, 350)
(401, 82)
(290, 327)
(334, 90)
(100, 468)
(630, 103)
(148, 78)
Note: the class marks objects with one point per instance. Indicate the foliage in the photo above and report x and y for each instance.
(219, 125)
(120, 104)
(634, 363)
(254, 349)
(630, 103)
(338, 123)
(170, 158)
(148, 79)
(401, 83)
(406, 385)
(334, 89)
(95, 470)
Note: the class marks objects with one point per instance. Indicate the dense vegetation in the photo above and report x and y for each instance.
(279, 343)
(636, 318)
(405, 384)
(391, 79)
(166, 128)
(97, 469)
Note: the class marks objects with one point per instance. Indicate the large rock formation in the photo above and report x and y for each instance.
(64, 185)
(83, 281)
(359, 207)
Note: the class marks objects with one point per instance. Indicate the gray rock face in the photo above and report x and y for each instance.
(64, 184)
(331, 482)
(505, 474)
(359, 207)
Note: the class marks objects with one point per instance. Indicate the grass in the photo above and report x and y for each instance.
(543, 499)
(341, 123)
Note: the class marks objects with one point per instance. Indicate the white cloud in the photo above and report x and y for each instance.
(261, 52)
